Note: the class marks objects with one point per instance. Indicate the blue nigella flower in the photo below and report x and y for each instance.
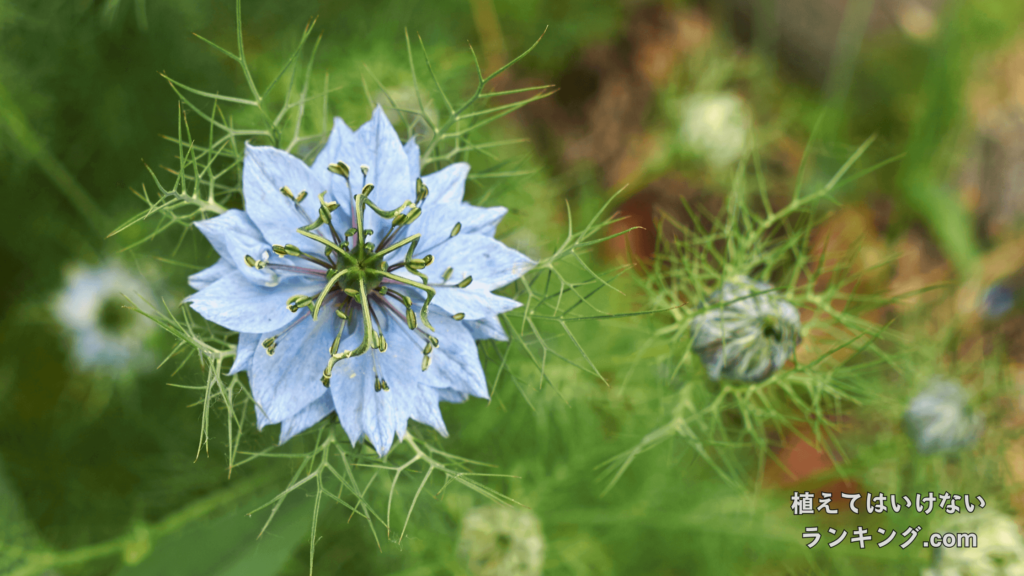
(356, 285)
(997, 301)
(939, 419)
(746, 332)
(105, 335)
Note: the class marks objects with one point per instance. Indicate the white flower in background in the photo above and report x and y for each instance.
(501, 541)
(104, 335)
(715, 126)
(939, 420)
(999, 550)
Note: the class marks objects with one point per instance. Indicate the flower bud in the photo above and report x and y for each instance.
(746, 331)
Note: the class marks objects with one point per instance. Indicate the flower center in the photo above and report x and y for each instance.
(359, 282)
(113, 316)
(771, 328)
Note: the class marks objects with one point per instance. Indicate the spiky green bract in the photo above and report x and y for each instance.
(730, 423)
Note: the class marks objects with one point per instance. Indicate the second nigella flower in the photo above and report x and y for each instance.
(356, 285)
(940, 420)
(746, 331)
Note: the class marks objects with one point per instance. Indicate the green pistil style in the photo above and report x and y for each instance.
(356, 274)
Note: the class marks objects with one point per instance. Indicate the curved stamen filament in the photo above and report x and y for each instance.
(296, 269)
(367, 326)
(327, 288)
(337, 249)
(414, 239)
(430, 294)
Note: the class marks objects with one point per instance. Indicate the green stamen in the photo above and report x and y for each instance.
(421, 191)
(339, 168)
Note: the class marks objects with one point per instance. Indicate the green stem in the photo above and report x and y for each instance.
(43, 561)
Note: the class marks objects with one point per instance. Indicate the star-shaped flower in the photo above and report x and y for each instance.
(747, 331)
(360, 275)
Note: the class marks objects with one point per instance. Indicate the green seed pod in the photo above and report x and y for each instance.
(746, 332)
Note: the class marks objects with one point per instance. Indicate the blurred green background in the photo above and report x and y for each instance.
(102, 460)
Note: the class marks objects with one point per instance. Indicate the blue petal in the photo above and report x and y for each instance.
(486, 329)
(234, 236)
(202, 279)
(436, 224)
(453, 396)
(264, 172)
(447, 185)
(490, 263)
(289, 380)
(383, 415)
(308, 416)
(457, 358)
(455, 363)
(475, 304)
(342, 145)
(237, 304)
(389, 167)
(412, 153)
(348, 381)
(247, 345)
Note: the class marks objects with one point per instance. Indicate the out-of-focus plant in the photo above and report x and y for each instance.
(728, 410)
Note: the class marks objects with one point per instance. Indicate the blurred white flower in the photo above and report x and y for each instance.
(501, 541)
(104, 335)
(939, 420)
(999, 551)
(715, 126)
